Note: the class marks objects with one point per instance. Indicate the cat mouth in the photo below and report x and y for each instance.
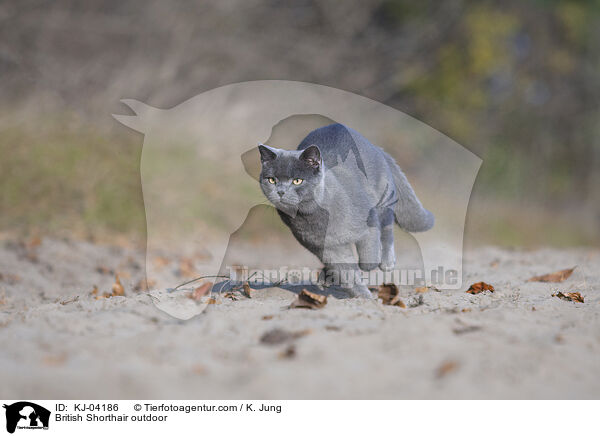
(286, 205)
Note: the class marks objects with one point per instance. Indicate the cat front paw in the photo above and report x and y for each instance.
(327, 278)
(386, 266)
(361, 291)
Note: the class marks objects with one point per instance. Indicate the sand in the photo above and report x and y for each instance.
(57, 340)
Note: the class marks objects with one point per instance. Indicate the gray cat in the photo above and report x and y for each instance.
(338, 191)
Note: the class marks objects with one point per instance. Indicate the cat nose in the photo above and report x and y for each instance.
(281, 193)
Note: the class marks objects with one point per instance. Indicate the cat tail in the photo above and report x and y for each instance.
(409, 212)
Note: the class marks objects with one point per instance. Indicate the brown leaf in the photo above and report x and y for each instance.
(267, 317)
(198, 369)
(231, 295)
(288, 353)
(446, 368)
(248, 290)
(203, 255)
(309, 300)
(187, 268)
(555, 277)
(423, 289)
(396, 301)
(388, 293)
(160, 262)
(11, 279)
(201, 291)
(479, 287)
(144, 285)
(117, 288)
(30, 248)
(124, 274)
(105, 270)
(212, 300)
(55, 359)
(33, 242)
(95, 290)
(569, 296)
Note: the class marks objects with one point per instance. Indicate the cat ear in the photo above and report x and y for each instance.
(266, 153)
(312, 156)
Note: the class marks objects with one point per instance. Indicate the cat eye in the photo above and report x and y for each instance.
(271, 180)
(297, 181)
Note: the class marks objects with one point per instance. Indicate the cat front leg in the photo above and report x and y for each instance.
(388, 255)
(342, 270)
(369, 250)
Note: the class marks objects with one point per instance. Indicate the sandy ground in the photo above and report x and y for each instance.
(60, 341)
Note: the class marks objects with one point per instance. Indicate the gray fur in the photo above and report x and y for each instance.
(351, 194)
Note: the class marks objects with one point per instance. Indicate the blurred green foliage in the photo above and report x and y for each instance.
(69, 180)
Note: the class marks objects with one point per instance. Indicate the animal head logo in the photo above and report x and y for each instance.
(200, 168)
(24, 414)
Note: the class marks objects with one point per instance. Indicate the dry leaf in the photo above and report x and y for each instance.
(203, 256)
(55, 359)
(105, 270)
(267, 317)
(423, 289)
(186, 268)
(161, 262)
(231, 295)
(72, 300)
(201, 291)
(30, 248)
(199, 369)
(95, 290)
(124, 274)
(144, 285)
(569, 296)
(466, 329)
(212, 300)
(288, 353)
(309, 300)
(11, 279)
(33, 242)
(248, 290)
(446, 368)
(555, 277)
(479, 287)
(117, 288)
(388, 293)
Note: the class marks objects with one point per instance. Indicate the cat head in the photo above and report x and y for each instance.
(291, 179)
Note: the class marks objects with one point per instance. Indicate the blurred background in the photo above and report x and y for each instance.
(515, 82)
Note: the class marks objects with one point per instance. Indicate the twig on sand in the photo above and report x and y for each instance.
(198, 278)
